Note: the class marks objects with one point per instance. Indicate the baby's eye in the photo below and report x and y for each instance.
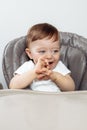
(55, 51)
(42, 51)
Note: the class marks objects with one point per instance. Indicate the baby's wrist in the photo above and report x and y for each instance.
(53, 76)
(35, 73)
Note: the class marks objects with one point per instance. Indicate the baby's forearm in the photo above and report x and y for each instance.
(65, 83)
(23, 80)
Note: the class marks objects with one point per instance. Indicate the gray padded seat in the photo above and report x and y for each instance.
(73, 54)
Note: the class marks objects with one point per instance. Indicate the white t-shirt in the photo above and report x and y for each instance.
(43, 85)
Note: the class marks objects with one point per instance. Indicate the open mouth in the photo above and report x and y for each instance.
(51, 62)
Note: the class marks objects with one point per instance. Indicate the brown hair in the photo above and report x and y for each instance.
(40, 31)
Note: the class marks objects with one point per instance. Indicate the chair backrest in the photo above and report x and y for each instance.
(73, 54)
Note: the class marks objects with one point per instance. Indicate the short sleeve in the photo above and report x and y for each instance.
(29, 65)
(61, 68)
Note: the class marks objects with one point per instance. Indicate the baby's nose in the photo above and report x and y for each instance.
(49, 55)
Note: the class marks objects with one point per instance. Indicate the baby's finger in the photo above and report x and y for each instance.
(40, 76)
(38, 71)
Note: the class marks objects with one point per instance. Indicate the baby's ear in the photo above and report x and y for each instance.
(28, 52)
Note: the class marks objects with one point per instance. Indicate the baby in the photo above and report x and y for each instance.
(45, 71)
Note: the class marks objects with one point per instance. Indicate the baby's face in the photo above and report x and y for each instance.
(46, 48)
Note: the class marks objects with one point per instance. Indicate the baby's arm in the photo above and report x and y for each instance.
(22, 80)
(65, 83)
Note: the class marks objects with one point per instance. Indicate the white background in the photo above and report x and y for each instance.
(16, 16)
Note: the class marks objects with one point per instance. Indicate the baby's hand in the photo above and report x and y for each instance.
(42, 68)
(42, 63)
(44, 74)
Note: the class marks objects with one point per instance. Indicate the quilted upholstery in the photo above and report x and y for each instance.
(73, 54)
